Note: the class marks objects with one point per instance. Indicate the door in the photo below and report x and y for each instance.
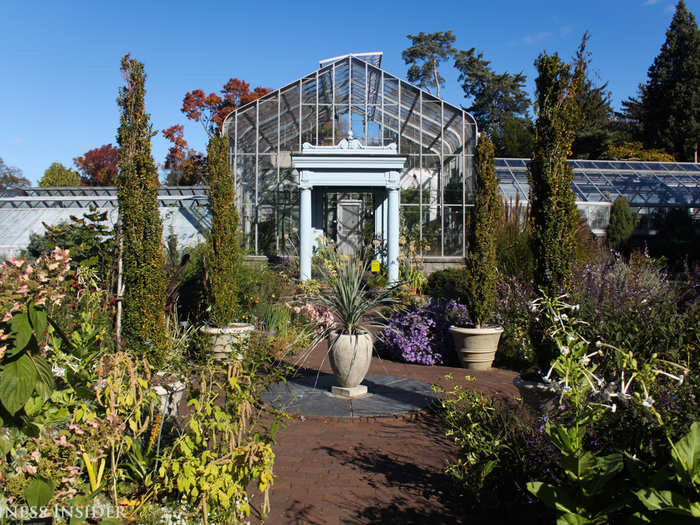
(349, 236)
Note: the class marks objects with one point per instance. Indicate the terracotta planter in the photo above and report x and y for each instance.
(350, 356)
(476, 347)
(232, 338)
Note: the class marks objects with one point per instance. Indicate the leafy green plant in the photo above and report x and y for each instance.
(216, 457)
(353, 306)
(673, 492)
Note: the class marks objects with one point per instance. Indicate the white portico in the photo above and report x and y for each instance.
(349, 166)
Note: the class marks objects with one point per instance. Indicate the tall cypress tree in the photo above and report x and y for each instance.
(670, 100)
(224, 252)
(137, 189)
(553, 205)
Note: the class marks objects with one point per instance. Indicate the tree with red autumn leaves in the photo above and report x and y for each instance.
(186, 165)
(98, 167)
(211, 110)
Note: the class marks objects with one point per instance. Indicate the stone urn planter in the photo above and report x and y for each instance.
(170, 390)
(350, 356)
(476, 347)
(224, 341)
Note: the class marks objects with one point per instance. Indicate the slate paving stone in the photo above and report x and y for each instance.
(310, 395)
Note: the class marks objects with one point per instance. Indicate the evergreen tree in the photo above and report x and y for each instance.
(224, 252)
(595, 132)
(670, 99)
(622, 223)
(498, 101)
(554, 215)
(58, 175)
(424, 56)
(515, 138)
(482, 273)
(141, 228)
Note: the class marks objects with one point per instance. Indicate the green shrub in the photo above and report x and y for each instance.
(444, 283)
(513, 251)
(622, 223)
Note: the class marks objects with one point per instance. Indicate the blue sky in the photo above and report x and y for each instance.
(59, 66)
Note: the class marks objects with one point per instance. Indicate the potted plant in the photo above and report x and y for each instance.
(476, 345)
(355, 309)
(223, 256)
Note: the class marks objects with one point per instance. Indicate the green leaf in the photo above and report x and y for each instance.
(552, 496)
(686, 455)
(22, 331)
(17, 380)
(664, 500)
(38, 492)
(38, 319)
(43, 369)
(33, 406)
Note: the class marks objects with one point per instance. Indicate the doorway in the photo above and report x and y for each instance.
(349, 232)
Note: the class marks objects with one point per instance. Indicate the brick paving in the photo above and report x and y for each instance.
(372, 470)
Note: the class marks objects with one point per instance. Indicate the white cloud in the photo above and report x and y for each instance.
(670, 8)
(650, 2)
(537, 37)
(565, 30)
(17, 141)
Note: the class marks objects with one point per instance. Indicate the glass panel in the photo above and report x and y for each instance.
(359, 82)
(325, 86)
(453, 230)
(409, 229)
(267, 176)
(289, 131)
(341, 82)
(342, 123)
(358, 125)
(308, 125)
(246, 130)
(391, 90)
(374, 134)
(309, 90)
(453, 134)
(267, 124)
(452, 173)
(432, 229)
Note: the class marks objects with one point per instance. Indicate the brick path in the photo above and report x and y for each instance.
(382, 470)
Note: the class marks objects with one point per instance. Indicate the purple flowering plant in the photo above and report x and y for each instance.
(419, 334)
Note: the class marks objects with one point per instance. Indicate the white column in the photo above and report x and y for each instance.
(393, 234)
(380, 208)
(305, 240)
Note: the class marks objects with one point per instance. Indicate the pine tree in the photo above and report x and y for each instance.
(670, 100)
(141, 228)
(223, 249)
(424, 57)
(553, 205)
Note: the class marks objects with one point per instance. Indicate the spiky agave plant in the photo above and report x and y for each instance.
(354, 306)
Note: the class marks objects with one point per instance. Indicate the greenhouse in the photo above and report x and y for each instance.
(351, 102)
(647, 186)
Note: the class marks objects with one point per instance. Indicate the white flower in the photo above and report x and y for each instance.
(564, 350)
(613, 408)
(647, 402)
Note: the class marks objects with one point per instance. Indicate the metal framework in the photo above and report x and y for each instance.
(98, 197)
(352, 93)
(597, 183)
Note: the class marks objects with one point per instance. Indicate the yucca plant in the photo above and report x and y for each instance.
(354, 306)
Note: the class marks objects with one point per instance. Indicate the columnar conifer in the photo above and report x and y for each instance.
(482, 271)
(141, 228)
(224, 252)
(553, 206)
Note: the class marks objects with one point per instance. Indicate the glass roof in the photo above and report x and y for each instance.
(350, 93)
(643, 184)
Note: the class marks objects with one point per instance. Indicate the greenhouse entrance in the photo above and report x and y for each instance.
(341, 180)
